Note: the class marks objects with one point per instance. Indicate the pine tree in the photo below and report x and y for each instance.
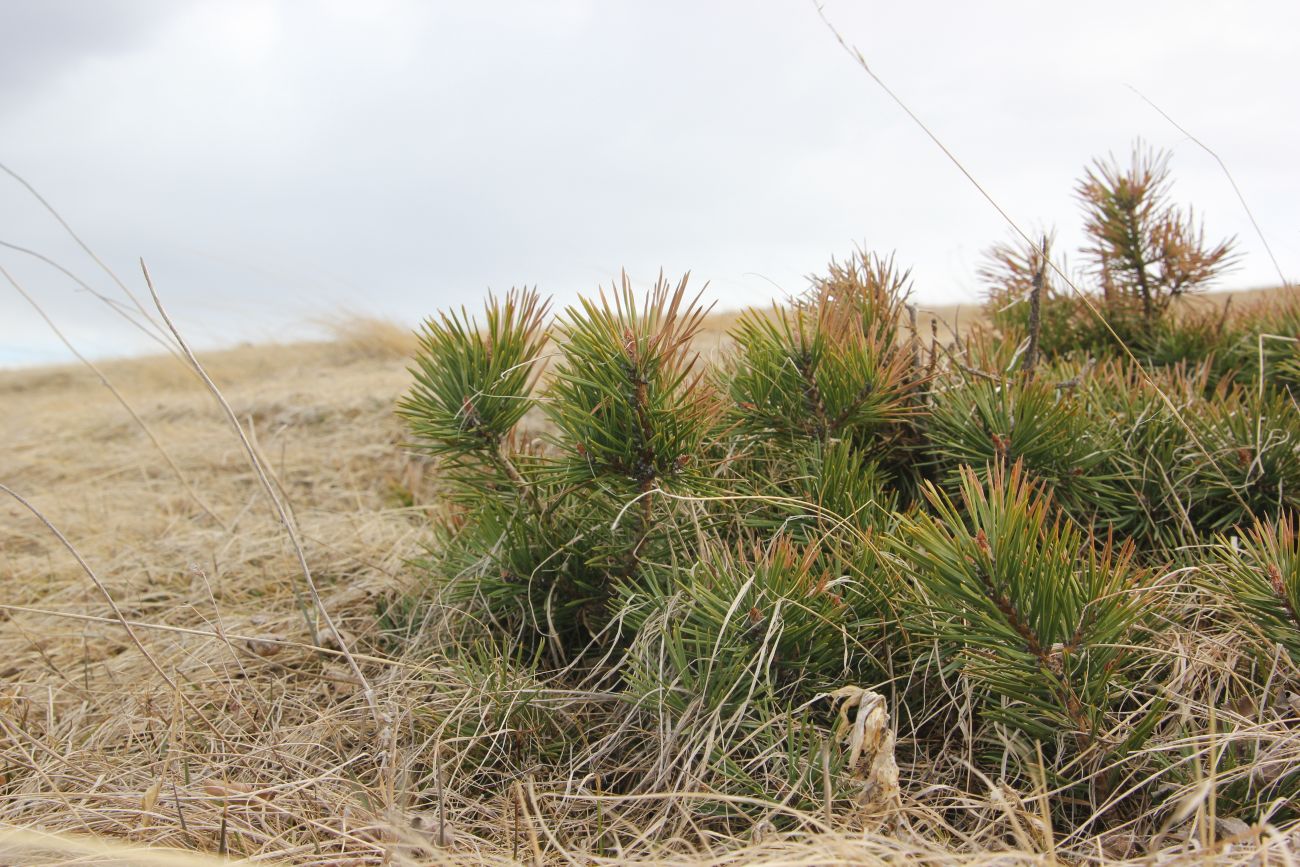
(830, 368)
(1147, 251)
(1037, 615)
(1143, 253)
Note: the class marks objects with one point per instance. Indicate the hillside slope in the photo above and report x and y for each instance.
(226, 718)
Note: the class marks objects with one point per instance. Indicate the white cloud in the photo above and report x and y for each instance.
(274, 160)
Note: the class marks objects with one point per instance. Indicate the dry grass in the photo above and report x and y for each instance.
(285, 716)
(362, 336)
(268, 750)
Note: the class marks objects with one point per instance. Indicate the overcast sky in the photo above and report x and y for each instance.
(280, 162)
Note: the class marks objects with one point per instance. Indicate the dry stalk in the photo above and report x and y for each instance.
(286, 519)
(135, 416)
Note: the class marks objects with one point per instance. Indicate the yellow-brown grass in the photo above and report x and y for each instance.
(100, 755)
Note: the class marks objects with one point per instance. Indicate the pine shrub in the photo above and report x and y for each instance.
(1143, 254)
(1146, 415)
(1260, 574)
(1268, 334)
(1147, 252)
(976, 423)
(829, 368)
(1039, 616)
(708, 555)
(1250, 467)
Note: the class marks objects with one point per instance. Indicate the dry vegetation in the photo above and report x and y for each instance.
(267, 748)
(259, 616)
(90, 728)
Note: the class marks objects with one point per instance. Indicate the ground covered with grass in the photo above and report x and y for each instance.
(841, 581)
(227, 718)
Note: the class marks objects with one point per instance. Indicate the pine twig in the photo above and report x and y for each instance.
(1077, 380)
(1030, 360)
